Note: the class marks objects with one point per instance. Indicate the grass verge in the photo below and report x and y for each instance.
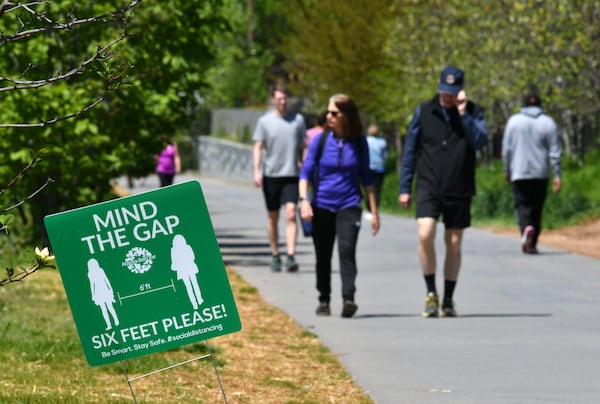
(272, 360)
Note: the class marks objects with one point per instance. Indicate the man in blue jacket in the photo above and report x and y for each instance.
(531, 145)
(440, 146)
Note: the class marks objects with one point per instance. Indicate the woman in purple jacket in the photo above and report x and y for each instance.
(336, 173)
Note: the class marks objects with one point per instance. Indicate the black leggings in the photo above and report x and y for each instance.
(166, 179)
(326, 225)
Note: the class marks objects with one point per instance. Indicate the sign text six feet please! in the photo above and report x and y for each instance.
(143, 273)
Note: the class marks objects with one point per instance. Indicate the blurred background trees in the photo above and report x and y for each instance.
(388, 55)
(144, 84)
(178, 62)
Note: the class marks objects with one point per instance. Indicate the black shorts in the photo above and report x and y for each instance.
(456, 212)
(280, 190)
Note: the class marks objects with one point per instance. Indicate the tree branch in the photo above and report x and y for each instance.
(19, 175)
(19, 84)
(37, 191)
(25, 272)
(10, 277)
(54, 120)
(58, 26)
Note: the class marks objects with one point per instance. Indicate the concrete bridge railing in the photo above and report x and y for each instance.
(225, 159)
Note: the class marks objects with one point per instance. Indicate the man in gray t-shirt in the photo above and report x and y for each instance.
(277, 154)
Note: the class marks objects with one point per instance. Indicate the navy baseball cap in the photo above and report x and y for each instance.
(451, 80)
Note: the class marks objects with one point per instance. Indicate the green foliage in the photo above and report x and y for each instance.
(584, 177)
(494, 196)
(246, 54)
(389, 196)
(388, 55)
(234, 80)
(180, 61)
(344, 52)
(6, 220)
(574, 204)
(16, 262)
(246, 135)
(577, 202)
(169, 49)
(565, 209)
(161, 64)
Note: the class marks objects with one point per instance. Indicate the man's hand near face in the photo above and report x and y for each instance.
(461, 102)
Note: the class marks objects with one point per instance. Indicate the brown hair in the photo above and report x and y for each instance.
(279, 87)
(352, 127)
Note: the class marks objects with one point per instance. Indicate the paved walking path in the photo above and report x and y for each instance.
(528, 331)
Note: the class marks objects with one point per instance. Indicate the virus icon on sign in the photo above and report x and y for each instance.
(139, 260)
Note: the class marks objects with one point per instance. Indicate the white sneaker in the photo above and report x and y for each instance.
(527, 239)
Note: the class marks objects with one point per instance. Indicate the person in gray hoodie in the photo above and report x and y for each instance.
(530, 146)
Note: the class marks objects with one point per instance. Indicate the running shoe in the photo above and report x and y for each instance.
(448, 308)
(291, 264)
(527, 239)
(432, 304)
(276, 264)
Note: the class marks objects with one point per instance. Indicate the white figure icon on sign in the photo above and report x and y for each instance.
(102, 292)
(183, 263)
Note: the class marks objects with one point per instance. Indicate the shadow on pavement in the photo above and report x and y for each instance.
(506, 315)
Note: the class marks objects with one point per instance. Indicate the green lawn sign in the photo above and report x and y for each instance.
(143, 273)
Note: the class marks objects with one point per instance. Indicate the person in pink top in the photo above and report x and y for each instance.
(168, 162)
(315, 130)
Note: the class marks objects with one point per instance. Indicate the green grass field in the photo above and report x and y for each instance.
(41, 360)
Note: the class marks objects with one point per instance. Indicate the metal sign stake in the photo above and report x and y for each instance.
(208, 355)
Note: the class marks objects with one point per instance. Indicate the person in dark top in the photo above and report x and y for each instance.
(440, 146)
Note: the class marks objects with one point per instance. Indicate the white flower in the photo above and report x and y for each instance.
(43, 256)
